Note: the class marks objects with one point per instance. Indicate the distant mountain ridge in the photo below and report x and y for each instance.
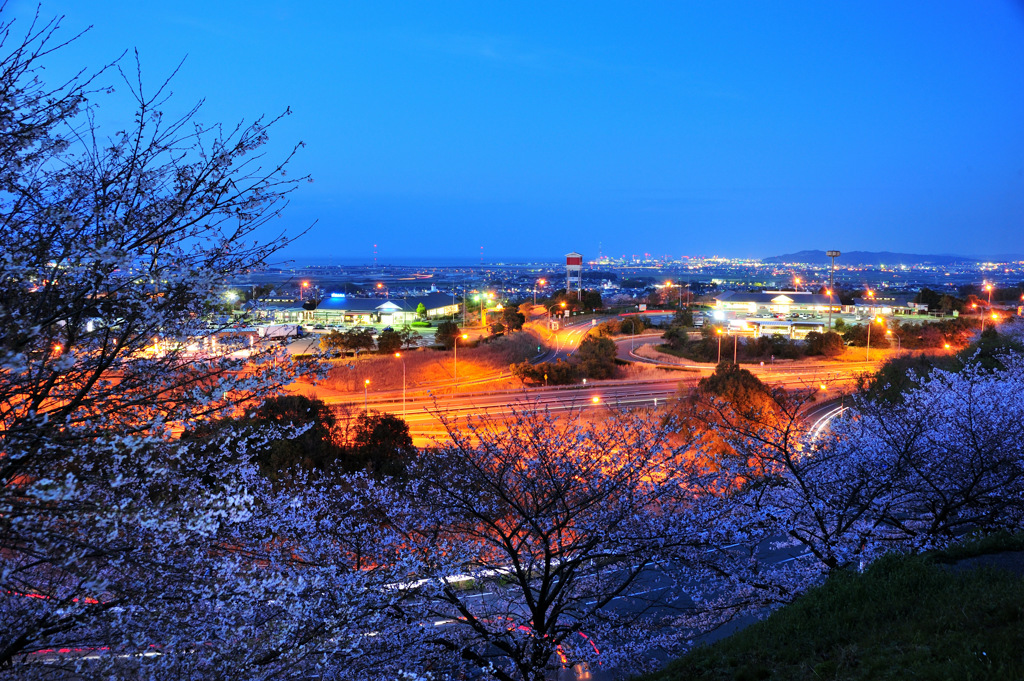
(870, 258)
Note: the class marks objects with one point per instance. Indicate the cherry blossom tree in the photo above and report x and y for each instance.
(124, 551)
(541, 543)
(944, 462)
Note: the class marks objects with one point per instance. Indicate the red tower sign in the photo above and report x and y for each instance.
(573, 273)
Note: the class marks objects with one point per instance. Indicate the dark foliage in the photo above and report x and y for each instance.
(512, 318)
(447, 332)
(389, 341)
(547, 373)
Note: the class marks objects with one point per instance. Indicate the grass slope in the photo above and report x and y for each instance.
(904, 618)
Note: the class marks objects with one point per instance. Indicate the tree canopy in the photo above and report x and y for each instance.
(447, 332)
(596, 357)
(512, 318)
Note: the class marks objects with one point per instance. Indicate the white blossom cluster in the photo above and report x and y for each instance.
(126, 551)
(944, 463)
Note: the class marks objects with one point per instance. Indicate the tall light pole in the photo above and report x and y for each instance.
(366, 392)
(831, 283)
(871, 301)
(899, 341)
(456, 346)
(995, 318)
(551, 307)
(680, 287)
(399, 356)
(870, 322)
(483, 301)
(539, 282)
(988, 287)
(719, 332)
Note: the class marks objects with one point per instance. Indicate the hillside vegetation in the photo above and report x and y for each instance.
(905, 617)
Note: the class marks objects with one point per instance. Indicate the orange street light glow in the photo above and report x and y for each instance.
(595, 399)
(947, 346)
(366, 381)
(398, 354)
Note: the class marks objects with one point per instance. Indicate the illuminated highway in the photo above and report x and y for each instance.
(425, 409)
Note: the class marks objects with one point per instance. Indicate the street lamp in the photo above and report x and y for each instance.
(680, 287)
(995, 318)
(796, 283)
(719, 332)
(899, 341)
(868, 355)
(551, 307)
(366, 392)
(870, 295)
(399, 356)
(831, 283)
(483, 301)
(988, 287)
(539, 282)
(456, 346)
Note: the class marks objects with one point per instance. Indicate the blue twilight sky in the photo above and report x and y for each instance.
(730, 128)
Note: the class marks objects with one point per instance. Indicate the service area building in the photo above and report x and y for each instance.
(341, 309)
(775, 302)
